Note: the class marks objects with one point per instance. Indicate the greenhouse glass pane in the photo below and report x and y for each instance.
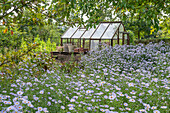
(110, 31)
(121, 30)
(89, 32)
(125, 36)
(78, 33)
(69, 32)
(94, 44)
(115, 37)
(98, 33)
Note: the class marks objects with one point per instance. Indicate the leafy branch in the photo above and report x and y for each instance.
(15, 9)
(13, 57)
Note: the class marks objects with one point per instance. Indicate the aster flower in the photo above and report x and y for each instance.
(20, 93)
(45, 110)
(83, 76)
(71, 105)
(19, 107)
(120, 94)
(133, 92)
(128, 109)
(71, 108)
(62, 107)
(163, 107)
(125, 104)
(112, 97)
(72, 100)
(59, 101)
(131, 100)
(156, 111)
(35, 98)
(112, 108)
(102, 110)
(24, 101)
(147, 107)
(153, 107)
(5, 102)
(131, 84)
(40, 108)
(30, 105)
(89, 91)
(10, 108)
(17, 103)
(150, 92)
(49, 103)
(106, 97)
(9, 102)
(142, 110)
(42, 92)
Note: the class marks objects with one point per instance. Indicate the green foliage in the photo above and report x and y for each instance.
(42, 45)
(131, 36)
(157, 40)
(13, 57)
(50, 46)
(38, 62)
(73, 11)
(8, 40)
(23, 43)
(51, 31)
(20, 39)
(164, 28)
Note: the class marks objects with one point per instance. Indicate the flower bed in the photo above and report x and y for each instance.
(120, 79)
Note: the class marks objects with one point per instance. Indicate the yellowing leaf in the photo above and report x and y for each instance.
(9, 71)
(5, 30)
(33, 19)
(152, 30)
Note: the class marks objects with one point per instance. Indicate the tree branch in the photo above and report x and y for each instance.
(15, 8)
(18, 56)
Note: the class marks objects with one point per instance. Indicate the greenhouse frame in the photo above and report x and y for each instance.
(104, 31)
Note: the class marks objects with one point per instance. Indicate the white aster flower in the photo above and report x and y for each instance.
(20, 93)
(62, 107)
(71, 108)
(153, 107)
(132, 100)
(156, 111)
(163, 107)
(72, 100)
(42, 92)
(10, 108)
(150, 92)
(40, 108)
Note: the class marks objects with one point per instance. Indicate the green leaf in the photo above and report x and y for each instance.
(39, 15)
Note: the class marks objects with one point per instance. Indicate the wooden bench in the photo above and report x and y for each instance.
(66, 56)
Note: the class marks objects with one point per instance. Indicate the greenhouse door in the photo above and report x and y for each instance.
(94, 44)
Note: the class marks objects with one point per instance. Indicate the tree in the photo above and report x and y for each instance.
(74, 10)
(164, 28)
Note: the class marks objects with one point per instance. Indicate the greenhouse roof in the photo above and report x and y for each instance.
(105, 30)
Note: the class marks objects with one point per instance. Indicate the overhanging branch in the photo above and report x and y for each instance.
(7, 61)
(15, 8)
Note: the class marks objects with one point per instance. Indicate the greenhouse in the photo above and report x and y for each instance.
(110, 33)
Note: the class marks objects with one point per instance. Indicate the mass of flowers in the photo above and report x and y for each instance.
(120, 79)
